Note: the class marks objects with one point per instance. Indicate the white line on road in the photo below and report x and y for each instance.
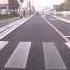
(14, 23)
(19, 57)
(3, 44)
(9, 25)
(52, 57)
(67, 36)
(13, 27)
(62, 19)
(9, 30)
(68, 44)
(58, 31)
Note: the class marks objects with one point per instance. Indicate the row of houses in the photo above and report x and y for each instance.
(12, 7)
(4, 9)
(9, 8)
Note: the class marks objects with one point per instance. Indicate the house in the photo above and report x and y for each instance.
(4, 9)
(10, 7)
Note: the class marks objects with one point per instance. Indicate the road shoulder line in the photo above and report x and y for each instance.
(12, 28)
(62, 19)
(59, 32)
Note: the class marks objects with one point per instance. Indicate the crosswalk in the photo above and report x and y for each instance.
(52, 57)
(20, 56)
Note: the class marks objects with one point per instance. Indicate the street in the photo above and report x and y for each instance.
(40, 43)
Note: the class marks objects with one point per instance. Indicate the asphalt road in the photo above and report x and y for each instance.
(62, 26)
(40, 34)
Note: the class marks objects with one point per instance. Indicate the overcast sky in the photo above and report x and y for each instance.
(3, 1)
(39, 4)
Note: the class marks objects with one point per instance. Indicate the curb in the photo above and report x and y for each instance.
(62, 19)
(9, 29)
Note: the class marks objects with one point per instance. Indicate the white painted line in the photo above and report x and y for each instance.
(19, 57)
(58, 31)
(52, 57)
(66, 36)
(62, 19)
(3, 44)
(9, 25)
(12, 24)
(6, 32)
(16, 25)
(68, 44)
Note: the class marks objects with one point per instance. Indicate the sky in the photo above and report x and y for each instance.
(39, 4)
(3, 1)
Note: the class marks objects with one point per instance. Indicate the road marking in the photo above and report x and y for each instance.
(13, 27)
(68, 44)
(52, 57)
(9, 30)
(66, 36)
(9, 25)
(3, 44)
(19, 57)
(58, 31)
(62, 19)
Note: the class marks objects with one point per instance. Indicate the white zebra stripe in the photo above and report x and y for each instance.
(3, 44)
(68, 44)
(19, 57)
(52, 57)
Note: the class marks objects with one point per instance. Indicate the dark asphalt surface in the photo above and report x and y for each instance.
(35, 30)
(60, 25)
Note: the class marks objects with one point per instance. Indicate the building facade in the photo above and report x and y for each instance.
(13, 4)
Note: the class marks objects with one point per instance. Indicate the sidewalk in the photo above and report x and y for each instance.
(8, 21)
(63, 18)
(5, 30)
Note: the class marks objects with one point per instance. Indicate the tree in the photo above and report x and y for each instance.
(59, 7)
(13, 4)
(67, 5)
(64, 6)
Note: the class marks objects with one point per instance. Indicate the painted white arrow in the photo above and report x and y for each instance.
(68, 44)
